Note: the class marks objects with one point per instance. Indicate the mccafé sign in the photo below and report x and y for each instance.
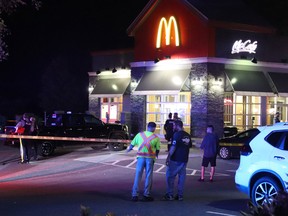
(167, 31)
(246, 46)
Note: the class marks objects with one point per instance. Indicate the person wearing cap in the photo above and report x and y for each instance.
(148, 145)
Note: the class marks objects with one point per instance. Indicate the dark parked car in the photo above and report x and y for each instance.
(81, 125)
(230, 131)
(229, 147)
(9, 129)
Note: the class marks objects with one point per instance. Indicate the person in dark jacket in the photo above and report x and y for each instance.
(176, 162)
(25, 127)
(168, 127)
(277, 117)
(209, 146)
(34, 132)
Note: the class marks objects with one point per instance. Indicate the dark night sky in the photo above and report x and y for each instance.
(65, 28)
(72, 29)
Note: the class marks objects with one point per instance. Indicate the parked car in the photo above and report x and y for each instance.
(9, 129)
(263, 168)
(80, 125)
(229, 147)
(230, 131)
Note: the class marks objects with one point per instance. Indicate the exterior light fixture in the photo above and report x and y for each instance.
(114, 70)
(156, 60)
(90, 88)
(254, 60)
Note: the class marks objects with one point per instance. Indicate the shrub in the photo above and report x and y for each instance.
(277, 207)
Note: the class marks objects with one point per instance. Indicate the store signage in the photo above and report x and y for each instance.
(167, 27)
(246, 46)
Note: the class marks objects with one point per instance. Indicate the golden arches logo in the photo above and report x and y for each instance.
(167, 27)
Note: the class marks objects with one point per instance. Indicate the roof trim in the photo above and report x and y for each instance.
(148, 10)
(141, 17)
(144, 14)
(228, 63)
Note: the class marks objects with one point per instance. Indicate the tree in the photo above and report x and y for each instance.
(7, 7)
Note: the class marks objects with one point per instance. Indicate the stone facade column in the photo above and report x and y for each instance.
(263, 111)
(137, 103)
(207, 98)
(138, 114)
(95, 106)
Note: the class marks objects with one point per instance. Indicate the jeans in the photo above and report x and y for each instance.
(173, 169)
(147, 164)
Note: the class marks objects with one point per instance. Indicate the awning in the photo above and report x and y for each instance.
(249, 83)
(162, 82)
(111, 87)
(280, 82)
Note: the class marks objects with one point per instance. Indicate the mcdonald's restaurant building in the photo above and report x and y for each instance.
(194, 58)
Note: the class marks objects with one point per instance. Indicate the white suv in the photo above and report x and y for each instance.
(263, 168)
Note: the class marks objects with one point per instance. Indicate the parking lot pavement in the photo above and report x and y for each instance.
(8, 151)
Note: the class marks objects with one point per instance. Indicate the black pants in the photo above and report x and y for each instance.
(25, 149)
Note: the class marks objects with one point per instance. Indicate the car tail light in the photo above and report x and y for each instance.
(245, 150)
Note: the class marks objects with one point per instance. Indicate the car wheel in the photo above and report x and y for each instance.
(117, 146)
(264, 190)
(98, 147)
(47, 148)
(224, 153)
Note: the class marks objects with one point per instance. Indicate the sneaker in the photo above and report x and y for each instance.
(24, 162)
(134, 198)
(168, 197)
(147, 199)
(179, 198)
(201, 180)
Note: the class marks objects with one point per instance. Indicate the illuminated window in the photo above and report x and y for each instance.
(159, 106)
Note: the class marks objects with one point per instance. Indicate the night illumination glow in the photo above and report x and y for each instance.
(246, 46)
(115, 87)
(167, 27)
(233, 80)
(177, 80)
(228, 101)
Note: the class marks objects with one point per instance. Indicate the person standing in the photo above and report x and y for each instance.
(34, 132)
(209, 146)
(277, 117)
(168, 127)
(176, 117)
(148, 145)
(23, 127)
(176, 161)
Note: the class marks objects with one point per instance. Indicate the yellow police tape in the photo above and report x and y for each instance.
(63, 138)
